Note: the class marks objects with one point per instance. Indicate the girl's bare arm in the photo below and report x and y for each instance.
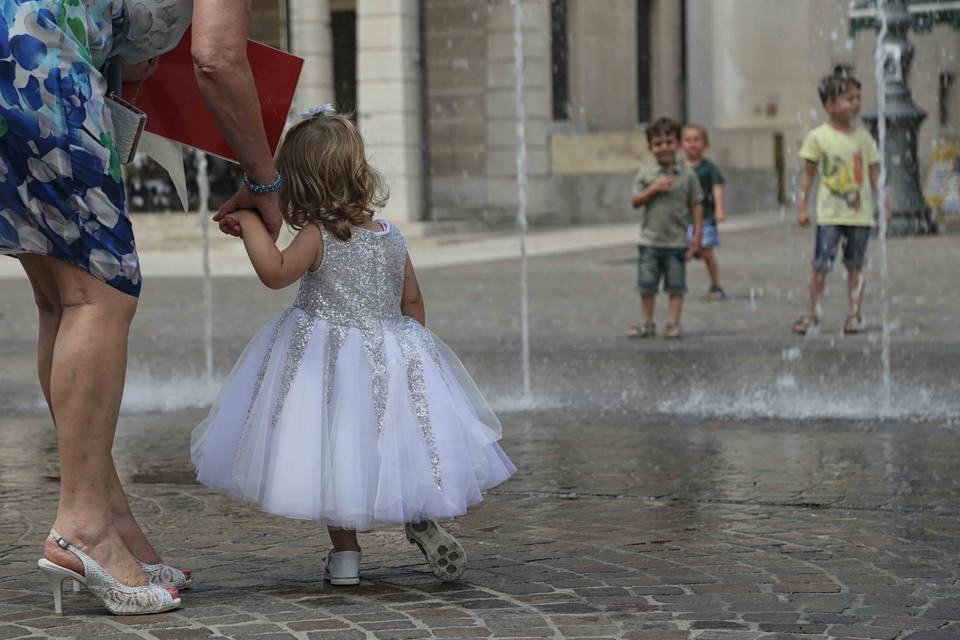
(278, 269)
(411, 304)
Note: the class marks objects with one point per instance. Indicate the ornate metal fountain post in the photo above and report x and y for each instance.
(911, 215)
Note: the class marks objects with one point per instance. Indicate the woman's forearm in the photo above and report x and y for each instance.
(219, 48)
(231, 95)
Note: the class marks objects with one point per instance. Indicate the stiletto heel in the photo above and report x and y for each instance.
(55, 576)
(116, 597)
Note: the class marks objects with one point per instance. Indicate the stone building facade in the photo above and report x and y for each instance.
(433, 87)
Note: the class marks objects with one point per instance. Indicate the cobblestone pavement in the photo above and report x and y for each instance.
(740, 484)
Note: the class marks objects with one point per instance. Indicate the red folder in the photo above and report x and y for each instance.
(175, 107)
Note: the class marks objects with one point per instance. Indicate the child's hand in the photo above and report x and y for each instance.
(664, 183)
(230, 226)
(721, 215)
(232, 223)
(803, 218)
(693, 251)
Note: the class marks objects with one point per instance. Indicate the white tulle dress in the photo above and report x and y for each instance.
(346, 412)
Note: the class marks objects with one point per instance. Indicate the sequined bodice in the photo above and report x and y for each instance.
(359, 282)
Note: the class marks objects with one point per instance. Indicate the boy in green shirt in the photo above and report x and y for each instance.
(695, 142)
(846, 156)
(671, 195)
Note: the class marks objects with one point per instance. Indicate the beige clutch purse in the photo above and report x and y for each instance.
(128, 125)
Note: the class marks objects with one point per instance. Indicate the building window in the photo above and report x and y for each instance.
(343, 24)
(644, 94)
(946, 84)
(560, 57)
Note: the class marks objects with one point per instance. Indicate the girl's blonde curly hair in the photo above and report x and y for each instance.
(326, 177)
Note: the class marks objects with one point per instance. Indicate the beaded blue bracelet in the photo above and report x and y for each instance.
(271, 187)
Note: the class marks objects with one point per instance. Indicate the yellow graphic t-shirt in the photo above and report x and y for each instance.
(845, 196)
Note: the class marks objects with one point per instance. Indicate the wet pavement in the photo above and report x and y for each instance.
(739, 484)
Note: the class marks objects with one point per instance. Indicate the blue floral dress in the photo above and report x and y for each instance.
(61, 187)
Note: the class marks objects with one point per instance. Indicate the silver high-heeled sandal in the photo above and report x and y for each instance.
(166, 576)
(116, 597)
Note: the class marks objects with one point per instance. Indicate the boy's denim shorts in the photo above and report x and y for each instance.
(854, 246)
(656, 263)
(709, 238)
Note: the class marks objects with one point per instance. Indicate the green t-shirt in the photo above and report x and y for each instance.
(845, 195)
(666, 216)
(709, 176)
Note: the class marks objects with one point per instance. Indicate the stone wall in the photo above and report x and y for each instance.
(471, 109)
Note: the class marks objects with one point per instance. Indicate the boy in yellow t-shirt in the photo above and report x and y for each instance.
(846, 156)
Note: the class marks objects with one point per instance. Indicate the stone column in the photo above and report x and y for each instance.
(502, 196)
(388, 99)
(666, 73)
(312, 40)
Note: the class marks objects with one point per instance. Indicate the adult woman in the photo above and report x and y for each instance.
(62, 212)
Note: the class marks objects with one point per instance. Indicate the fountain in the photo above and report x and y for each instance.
(880, 58)
(203, 216)
(522, 191)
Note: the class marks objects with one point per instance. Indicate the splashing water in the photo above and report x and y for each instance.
(787, 398)
(203, 214)
(879, 60)
(146, 391)
(518, 64)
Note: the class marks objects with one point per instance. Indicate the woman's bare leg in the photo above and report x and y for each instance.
(49, 312)
(87, 365)
(47, 298)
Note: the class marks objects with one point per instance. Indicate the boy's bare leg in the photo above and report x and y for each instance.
(713, 268)
(675, 308)
(647, 304)
(855, 292)
(344, 539)
(814, 290)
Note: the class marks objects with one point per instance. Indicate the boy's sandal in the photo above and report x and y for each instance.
(716, 294)
(673, 331)
(803, 325)
(854, 324)
(646, 330)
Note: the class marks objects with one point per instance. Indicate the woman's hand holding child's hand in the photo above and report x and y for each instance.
(232, 224)
(267, 206)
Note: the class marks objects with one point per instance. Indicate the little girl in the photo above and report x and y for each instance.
(346, 410)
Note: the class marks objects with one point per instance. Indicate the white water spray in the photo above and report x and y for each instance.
(203, 215)
(522, 189)
(880, 64)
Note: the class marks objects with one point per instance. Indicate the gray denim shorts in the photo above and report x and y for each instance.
(656, 263)
(855, 241)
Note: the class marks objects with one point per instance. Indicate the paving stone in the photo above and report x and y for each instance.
(184, 634)
(347, 634)
(865, 632)
(314, 625)
(8, 631)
